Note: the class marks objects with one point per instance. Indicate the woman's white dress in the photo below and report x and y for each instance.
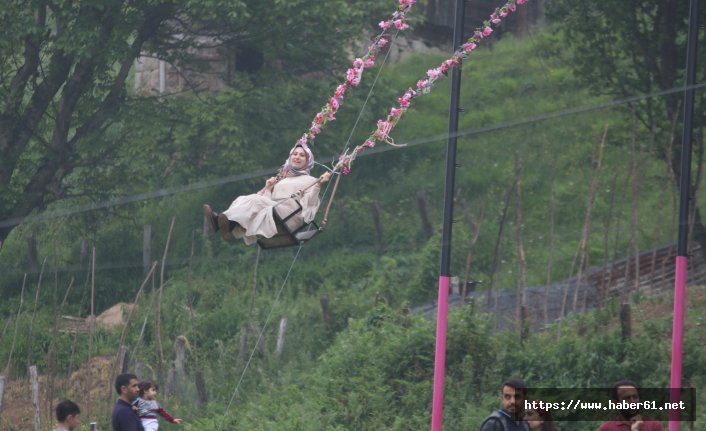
(254, 212)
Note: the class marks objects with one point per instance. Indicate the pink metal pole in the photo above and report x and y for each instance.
(440, 358)
(677, 338)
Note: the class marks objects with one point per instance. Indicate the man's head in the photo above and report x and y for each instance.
(512, 395)
(126, 386)
(67, 414)
(625, 390)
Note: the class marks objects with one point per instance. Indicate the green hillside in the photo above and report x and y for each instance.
(369, 366)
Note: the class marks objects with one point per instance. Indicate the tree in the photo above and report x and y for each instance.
(65, 66)
(625, 48)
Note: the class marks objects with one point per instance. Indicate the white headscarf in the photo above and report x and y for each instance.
(287, 167)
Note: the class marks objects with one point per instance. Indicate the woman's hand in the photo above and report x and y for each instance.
(270, 183)
(324, 177)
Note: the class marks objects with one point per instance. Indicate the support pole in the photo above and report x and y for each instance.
(684, 201)
(445, 271)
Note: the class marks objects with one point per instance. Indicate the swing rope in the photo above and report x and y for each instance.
(345, 146)
(259, 337)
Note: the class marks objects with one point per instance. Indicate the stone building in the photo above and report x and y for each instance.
(210, 70)
(215, 64)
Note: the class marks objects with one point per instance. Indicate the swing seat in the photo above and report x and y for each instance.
(290, 230)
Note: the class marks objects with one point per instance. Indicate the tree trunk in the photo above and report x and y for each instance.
(474, 227)
(427, 227)
(32, 254)
(325, 312)
(375, 208)
(498, 240)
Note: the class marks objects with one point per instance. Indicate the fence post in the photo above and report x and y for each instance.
(2, 390)
(180, 356)
(35, 396)
(202, 393)
(625, 321)
(280, 336)
(124, 359)
(325, 311)
(146, 248)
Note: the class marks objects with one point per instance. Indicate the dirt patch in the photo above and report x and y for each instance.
(90, 387)
(115, 316)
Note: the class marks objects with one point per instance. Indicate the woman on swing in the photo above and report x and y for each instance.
(250, 217)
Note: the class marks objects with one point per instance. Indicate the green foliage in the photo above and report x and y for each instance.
(370, 365)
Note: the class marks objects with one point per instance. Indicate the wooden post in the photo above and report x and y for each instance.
(552, 238)
(146, 248)
(201, 392)
(637, 157)
(2, 390)
(158, 314)
(597, 161)
(606, 240)
(171, 386)
(17, 322)
(93, 284)
(259, 339)
(180, 355)
(498, 240)
(123, 359)
(325, 311)
(83, 250)
(35, 396)
(375, 208)
(34, 314)
(280, 336)
(32, 254)
(474, 227)
(91, 325)
(625, 321)
(521, 262)
(243, 345)
(51, 355)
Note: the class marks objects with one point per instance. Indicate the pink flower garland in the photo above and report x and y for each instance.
(355, 73)
(384, 127)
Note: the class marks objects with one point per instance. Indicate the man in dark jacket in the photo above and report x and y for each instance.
(513, 393)
(124, 417)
